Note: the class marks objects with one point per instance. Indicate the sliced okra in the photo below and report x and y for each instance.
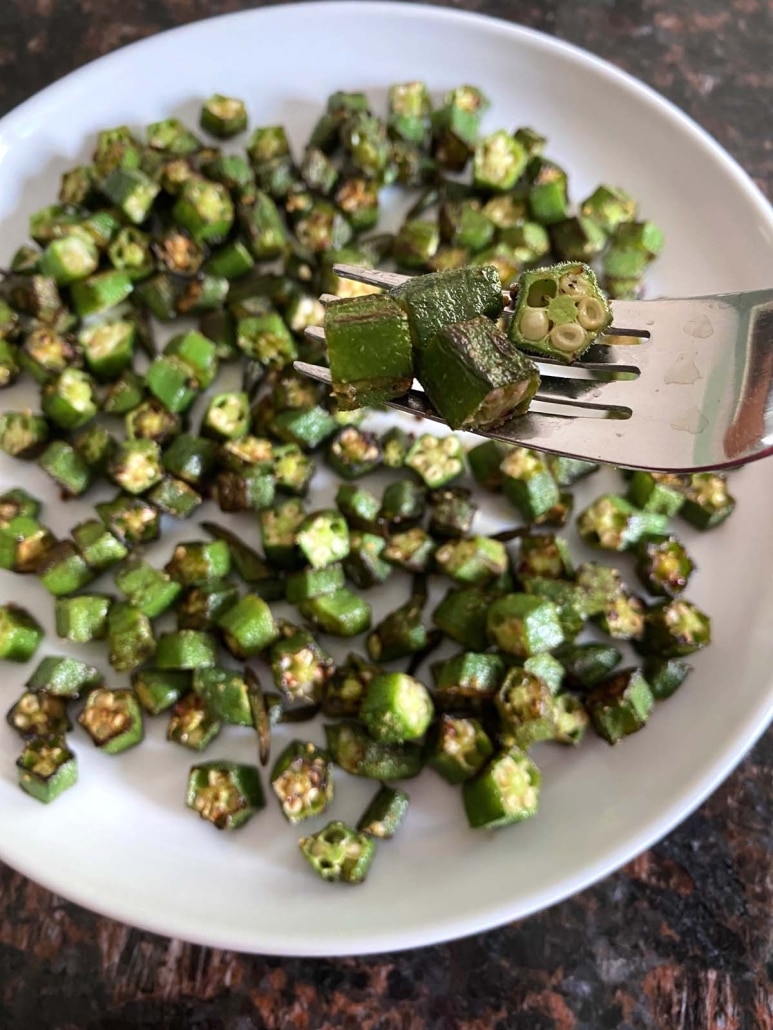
(359, 507)
(135, 465)
(528, 483)
(620, 705)
(133, 520)
(174, 497)
(567, 471)
(62, 569)
(451, 512)
(571, 718)
(523, 625)
(664, 675)
(151, 420)
(396, 708)
(623, 618)
(301, 668)
(588, 664)
(545, 555)
(82, 618)
(365, 566)
(323, 538)
(462, 615)
(660, 492)
(384, 814)
(192, 724)
(39, 713)
(357, 753)
(395, 444)
(63, 676)
(437, 460)
(505, 791)
(466, 683)
(46, 768)
(113, 719)
(568, 598)
(399, 634)
(353, 453)
(129, 636)
(472, 561)
(347, 686)
(613, 523)
(197, 562)
(403, 504)
(69, 258)
(248, 564)
(200, 606)
(225, 693)
(455, 126)
(223, 116)
(526, 708)
(707, 500)
(292, 469)
(412, 549)
(302, 779)
(186, 649)
(158, 689)
(227, 416)
(17, 502)
(24, 542)
(458, 748)
(248, 627)
(663, 566)
(674, 629)
(339, 853)
(486, 463)
(278, 529)
(226, 794)
(250, 490)
(151, 591)
(190, 458)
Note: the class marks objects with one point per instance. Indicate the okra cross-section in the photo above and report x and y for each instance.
(474, 376)
(113, 719)
(559, 312)
(47, 767)
(369, 350)
(396, 708)
(302, 779)
(226, 794)
(339, 853)
(505, 791)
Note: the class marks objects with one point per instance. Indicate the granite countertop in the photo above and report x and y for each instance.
(682, 937)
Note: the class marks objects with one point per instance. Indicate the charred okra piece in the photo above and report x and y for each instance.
(22, 435)
(364, 565)
(39, 714)
(473, 561)
(158, 689)
(62, 676)
(451, 512)
(620, 705)
(396, 708)
(559, 311)
(437, 460)
(587, 665)
(226, 794)
(369, 350)
(197, 562)
(474, 376)
(462, 616)
(663, 566)
(339, 853)
(399, 634)
(439, 299)
(70, 399)
(191, 723)
(132, 519)
(707, 500)
(63, 570)
(455, 126)
(545, 556)
(665, 675)
(200, 606)
(395, 444)
(357, 753)
(358, 506)
(498, 162)
(522, 625)
(47, 768)
(459, 747)
(130, 637)
(385, 813)
(228, 416)
(466, 683)
(346, 688)
(674, 629)
(113, 719)
(223, 116)
(613, 523)
(526, 709)
(505, 791)
(225, 693)
(301, 668)
(205, 209)
(353, 453)
(412, 550)
(302, 779)
(342, 613)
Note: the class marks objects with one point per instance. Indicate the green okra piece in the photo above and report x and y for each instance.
(385, 814)
(339, 853)
(308, 429)
(498, 161)
(403, 504)
(365, 566)
(174, 497)
(399, 634)
(302, 780)
(346, 688)
(130, 252)
(588, 664)
(204, 209)
(318, 171)
(70, 399)
(658, 492)
(465, 227)
(95, 446)
(263, 227)
(455, 126)
(572, 719)
(100, 292)
(200, 606)
(62, 569)
(462, 615)
(82, 618)
(467, 682)
(452, 511)
(615, 524)
(231, 261)
(396, 708)
(437, 460)
(46, 768)
(412, 549)
(307, 584)
(458, 748)
(674, 629)
(528, 484)
(548, 198)
(176, 252)
(135, 465)
(151, 591)
(69, 258)
(568, 598)
(707, 500)
(158, 295)
(472, 561)
(39, 715)
(505, 791)
(248, 627)
(322, 227)
(278, 528)
(228, 416)
(250, 490)
(248, 564)
(190, 458)
(577, 239)
(663, 566)
(10, 366)
(186, 649)
(526, 709)
(357, 753)
(323, 538)
(358, 199)
(416, 243)
(15, 503)
(623, 617)
(620, 705)
(66, 468)
(63, 676)
(486, 463)
(545, 555)
(559, 311)
(24, 542)
(123, 395)
(247, 452)
(133, 520)
(132, 191)
(548, 668)
(151, 420)
(301, 668)
(664, 675)
(46, 353)
(20, 633)
(409, 109)
(530, 242)
(197, 562)
(523, 625)
(173, 382)
(129, 636)
(113, 719)
(359, 506)
(609, 207)
(222, 116)
(158, 689)
(191, 723)
(292, 470)
(353, 453)
(474, 376)
(567, 471)
(225, 693)
(395, 444)
(442, 298)
(226, 794)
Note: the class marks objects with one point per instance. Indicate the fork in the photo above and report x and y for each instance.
(693, 391)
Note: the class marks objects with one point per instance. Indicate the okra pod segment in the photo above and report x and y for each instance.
(357, 753)
(437, 460)
(339, 853)
(198, 562)
(396, 708)
(526, 709)
(302, 779)
(192, 724)
(523, 625)
(63, 676)
(385, 813)
(505, 791)
(39, 714)
(615, 524)
(620, 705)
(458, 748)
(674, 629)
(46, 768)
(300, 667)
(225, 693)
(113, 719)
(226, 794)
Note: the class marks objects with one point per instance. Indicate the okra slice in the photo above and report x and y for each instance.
(135, 465)
(571, 718)
(82, 618)
(300, 667)
(342, 613)
(17, 503)
(197, 562)
(310, 583)
(123, 395)
(472, 561)
(62, 569)
(526, 708)
(95, 446)
(69, 258)
(664, 675)
(674, 629)
(559, 311)
(528, 483)
(262, 225)
(70, 399)
(522, 625)
(620, 705)
(707, 500)
(132, 519)
(266, 339)
(466, 683)
(396, 708)
(615, 524)
(474, 376)
(149, 590)
(47, 768)
(548, 191)
(353, 453)
(205, 209)
(357, 753)
(458, 748)
(437, 460)
(174, 497)
(346, 688)
(190, 458)
(505, 791)
(250, 490)
(38, 714)
(225, 693)
(113, 719)
(656, 491)
(323, 538)
(23, 543)
(228, 416)
(226, 794)
(663, 566)
(546, 556)
(199, 607)
(465, 227)
(359, 507)
(623, 618)
(186, 649)
(587, 665)
(399, 634)
(412, 550)
(248, 627)
(151, 420)
(568, 598)
(129, 636)
(462, 615)
(455, 126)
(498, 162)
(451, 512)
(100, 292)
(439, 299)
(292, 470)
(339, 853)
(278, 529)
(158, 689)
(223, 116)
(365, 566)
(191, 723)
(395, 444)
(567, 471)
(609, 206)
(63, 676)
(548, 668)
(22, 435)
(416, 243)
(403, 504)
(302, 779)
(384, 815)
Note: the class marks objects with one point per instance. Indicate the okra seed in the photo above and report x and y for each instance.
(567, 338)
(591, 314)
(535, 324)
(574, 285)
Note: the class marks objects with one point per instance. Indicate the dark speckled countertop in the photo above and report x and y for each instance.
(682, 937)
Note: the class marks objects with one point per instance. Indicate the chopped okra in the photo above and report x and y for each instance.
(339, 853)
(113, 719)
(620, 705)
(39, 713)
(302, 779)
(458, 748)
(47, 767)
(505, 791)
(396, 708)
(385, 813)
(62, 676)
(20, 633)
(437, 460)
(226, 794)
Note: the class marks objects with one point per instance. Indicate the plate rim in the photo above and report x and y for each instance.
(699, 786)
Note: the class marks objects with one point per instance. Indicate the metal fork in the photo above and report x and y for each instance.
(694, 391)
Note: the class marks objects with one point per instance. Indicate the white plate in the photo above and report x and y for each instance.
(121, 842)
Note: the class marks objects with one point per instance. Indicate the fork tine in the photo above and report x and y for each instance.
(316, 334)
(370, 276)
